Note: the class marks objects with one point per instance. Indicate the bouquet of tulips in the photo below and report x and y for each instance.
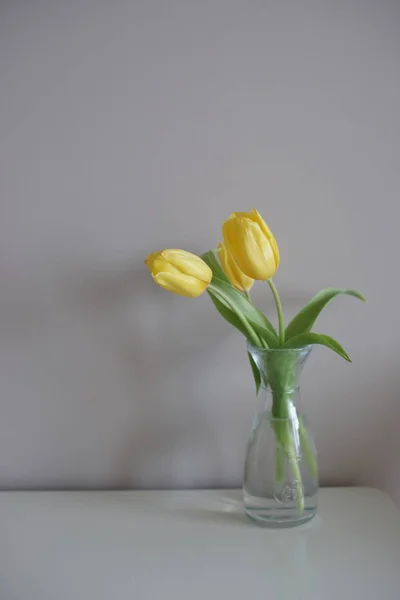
(249, 252)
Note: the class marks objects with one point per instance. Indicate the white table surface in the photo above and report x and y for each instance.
(194, 545)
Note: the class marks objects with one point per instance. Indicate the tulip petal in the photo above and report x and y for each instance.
(183, 285)
(149, 262)
(228, 233)
(256, 254)
(255, 215)
(238, 215)
(188, 264)
(266, 262)
(160, 265)
(250, 241)
(252, 257)
(235, 275)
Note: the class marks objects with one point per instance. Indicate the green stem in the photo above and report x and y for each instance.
(286, 450)
(279, 463)
(307, 450)
(253, 337)
(279, 309)
(298, 482)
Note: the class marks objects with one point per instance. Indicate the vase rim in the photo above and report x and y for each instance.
(300, 351)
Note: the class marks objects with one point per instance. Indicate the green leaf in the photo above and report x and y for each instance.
(253, 316)
(251, 331)
(306, 318)
(256, 372)
(305, 339)
(212, 261)
(219, 276)
(258, 321)
(228, 314)
(266, 334)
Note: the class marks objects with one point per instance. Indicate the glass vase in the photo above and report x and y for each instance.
(281, 473)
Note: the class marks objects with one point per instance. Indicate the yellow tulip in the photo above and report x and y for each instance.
(179, 272)
(237, 278)
(250, 241)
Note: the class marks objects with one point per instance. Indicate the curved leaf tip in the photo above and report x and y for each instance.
(305, 339)
(305, 319)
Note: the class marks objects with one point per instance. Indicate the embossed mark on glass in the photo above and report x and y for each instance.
(281, 476)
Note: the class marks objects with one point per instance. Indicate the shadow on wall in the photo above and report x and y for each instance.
(164, 346)
(187, 373)
(157, 390)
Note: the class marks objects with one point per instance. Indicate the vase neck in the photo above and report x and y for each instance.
(280, 377)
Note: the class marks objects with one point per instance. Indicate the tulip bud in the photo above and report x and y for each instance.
(179, 272)
(250, 241)
(237, 278)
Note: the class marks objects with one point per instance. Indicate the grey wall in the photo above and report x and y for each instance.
(129, 126)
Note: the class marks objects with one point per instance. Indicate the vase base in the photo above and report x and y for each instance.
(274, 519)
